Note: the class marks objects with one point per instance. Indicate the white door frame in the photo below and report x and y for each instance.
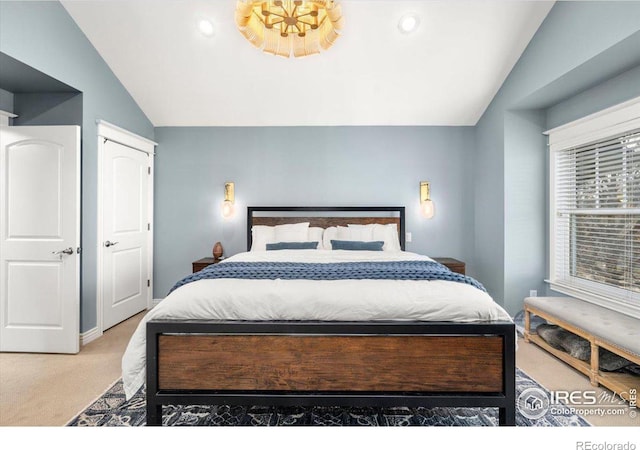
(5, 117)
(114, 133)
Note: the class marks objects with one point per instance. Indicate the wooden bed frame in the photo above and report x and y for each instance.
(311, 363)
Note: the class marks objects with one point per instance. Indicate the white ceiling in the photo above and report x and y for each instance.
(445, 73)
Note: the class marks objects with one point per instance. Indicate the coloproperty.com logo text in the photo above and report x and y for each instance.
(534, 403)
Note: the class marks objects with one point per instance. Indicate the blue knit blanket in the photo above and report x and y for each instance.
(367, 270)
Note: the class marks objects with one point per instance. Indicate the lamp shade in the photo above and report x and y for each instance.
(289, 27)
(426, 204)
(428, 209)
(227, 209)
(229, 199)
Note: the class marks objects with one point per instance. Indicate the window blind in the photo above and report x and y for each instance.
(597, 217)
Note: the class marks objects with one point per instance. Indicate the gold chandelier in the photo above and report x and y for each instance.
(290, 27)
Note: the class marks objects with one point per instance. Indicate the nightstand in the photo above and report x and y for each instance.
(452, 264)
(204, 262)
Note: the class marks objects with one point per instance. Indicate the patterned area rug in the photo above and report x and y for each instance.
(111, 409)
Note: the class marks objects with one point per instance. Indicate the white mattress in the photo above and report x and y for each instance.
(339, 300)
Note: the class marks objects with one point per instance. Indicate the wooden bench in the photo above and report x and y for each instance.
(602, 327)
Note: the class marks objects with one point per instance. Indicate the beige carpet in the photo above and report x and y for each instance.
(49, 390)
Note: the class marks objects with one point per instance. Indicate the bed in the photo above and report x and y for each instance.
(324, 341)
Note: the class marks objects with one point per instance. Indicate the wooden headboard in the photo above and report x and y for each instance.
(321, 217)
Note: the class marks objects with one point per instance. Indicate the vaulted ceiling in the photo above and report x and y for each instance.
(444, 73)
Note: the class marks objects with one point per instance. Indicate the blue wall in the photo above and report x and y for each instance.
(606, 94)
(570, 68)
(332, 166)
(43, 36)
(6, 101)
(48, 108)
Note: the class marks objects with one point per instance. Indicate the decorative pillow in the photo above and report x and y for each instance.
(315, 234)
(389, 234)
(329, 234)
(377, 232)
(338, 233)
(260, 236)
(357, 245)
(360, 232)
(292, 232)
(293, 246)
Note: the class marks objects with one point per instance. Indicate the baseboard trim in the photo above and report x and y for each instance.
(155, 302)
(89, 336)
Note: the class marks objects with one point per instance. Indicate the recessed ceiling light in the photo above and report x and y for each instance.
(206, 27)
(408, 23)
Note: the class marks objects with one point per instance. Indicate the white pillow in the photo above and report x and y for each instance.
(315, 235)
(367, 233)
(348, 233)
(344, 234)
(377, 232)
(389, 234)
(329, 234)
(292, 232)
(261, 235)
(360, 232)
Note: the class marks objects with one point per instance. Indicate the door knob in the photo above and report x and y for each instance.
(66, 251)
(109, 243)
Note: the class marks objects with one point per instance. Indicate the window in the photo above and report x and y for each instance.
(595, 208)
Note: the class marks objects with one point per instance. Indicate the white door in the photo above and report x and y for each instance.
(125, 228)
(40, 237)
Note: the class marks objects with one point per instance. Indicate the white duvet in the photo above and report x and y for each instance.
(339, 300)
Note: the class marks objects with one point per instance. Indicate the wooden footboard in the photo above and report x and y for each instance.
(331, 363)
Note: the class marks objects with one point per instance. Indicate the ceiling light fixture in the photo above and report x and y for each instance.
(290, 27)
(206, 27)
(408, 23)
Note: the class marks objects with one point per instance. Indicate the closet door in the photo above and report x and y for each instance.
(125, 225)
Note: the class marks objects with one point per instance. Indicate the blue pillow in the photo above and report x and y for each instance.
(293, 246)
(357, 245)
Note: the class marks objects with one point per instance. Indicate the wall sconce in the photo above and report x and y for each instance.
(426, 204)
(229, 200)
